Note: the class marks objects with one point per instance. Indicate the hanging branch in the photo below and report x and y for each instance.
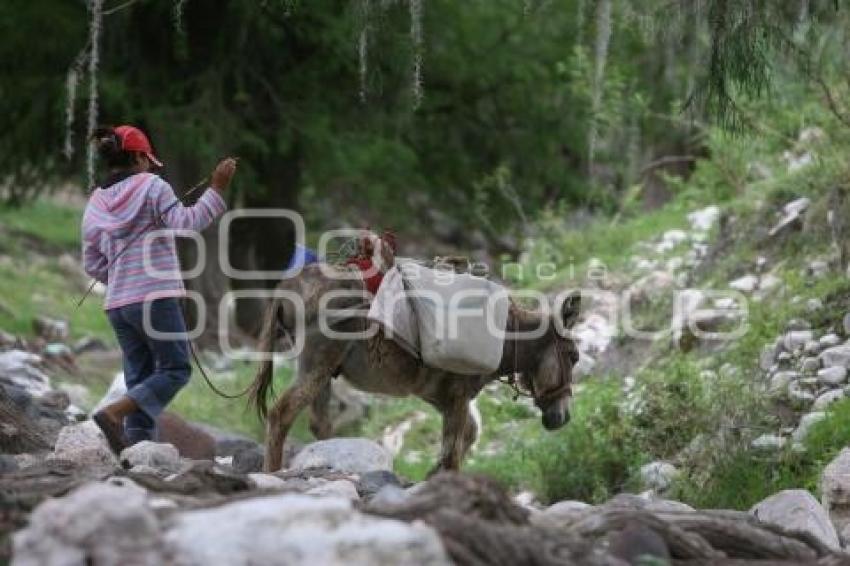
(177, 16)
(72, 81)
(96, 7)
(363, 48)
(603, 40)
(416, 40)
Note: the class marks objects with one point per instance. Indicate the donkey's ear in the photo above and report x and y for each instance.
(571, 309)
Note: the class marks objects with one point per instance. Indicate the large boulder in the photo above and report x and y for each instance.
(21, 369)
(99, 523)
(826, 399)
(658, 476)
(85, 445)
(835, 491)
(797, 339)
(298, 529)
(562, 514)
(806, 424)
(798, 510)
(191, 440)
(164, 459)
(346, 455)
(836, 356)
(832, 376)
(652, 287)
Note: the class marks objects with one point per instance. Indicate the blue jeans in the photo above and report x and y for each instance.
(155, 369)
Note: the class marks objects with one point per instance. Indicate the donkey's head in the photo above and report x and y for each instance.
(550, 382)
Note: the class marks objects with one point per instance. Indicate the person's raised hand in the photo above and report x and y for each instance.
(223, 173)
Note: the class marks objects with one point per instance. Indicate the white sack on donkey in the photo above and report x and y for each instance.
(451, 321)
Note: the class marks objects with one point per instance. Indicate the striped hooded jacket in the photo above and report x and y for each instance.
(150, 268)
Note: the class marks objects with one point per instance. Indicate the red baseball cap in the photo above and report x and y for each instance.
(134, 139)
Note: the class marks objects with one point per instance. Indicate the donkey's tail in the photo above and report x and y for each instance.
(263, 386)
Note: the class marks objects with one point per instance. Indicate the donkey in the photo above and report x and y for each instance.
(543, 365)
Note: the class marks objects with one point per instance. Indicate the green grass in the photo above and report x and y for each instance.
(744, 477)
(39, 287)
(45, 221)
(198, 402)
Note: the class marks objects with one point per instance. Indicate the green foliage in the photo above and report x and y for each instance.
(197, 402)
(44, 222)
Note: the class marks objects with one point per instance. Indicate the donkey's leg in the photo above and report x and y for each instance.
(470, 435)
(308, 385)
(456, 432)
(320, 419)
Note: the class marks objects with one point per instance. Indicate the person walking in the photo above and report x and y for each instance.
(141, 272)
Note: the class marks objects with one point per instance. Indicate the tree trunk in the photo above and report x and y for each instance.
(265, 244)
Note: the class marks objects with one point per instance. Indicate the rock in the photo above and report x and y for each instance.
(784, 360)
(337, 488)
(810, 365)
(658, 476)
(797, 206)
(670, 240)
(812, 348)
(769, 442)
(811, 135)
(767, 357)
(651, 287)
(389, 496)
(745, 284)
(814, 305)
(77, 394)
(266, 481)
(768, 282)
(20, 369)
(806, 424)
(787, 224)
(829, 340)
(248, 460)
(797, 339)
(55, 399)
(190, 440)
(50, 329)
(299, 529)
(798, 395)
(668, 506)
(845, 323)
(780, 381)
(797, 510)
(835, 490)
(84, 444)
(825, 400)
(372, 482)
(8, 463)
(562, 514)
(832, 376)
(836, 356)
(346, 455)
(817, 269)
(89, 344)
(797, 162)
(163, 458)
(704, 219)
(227, 443)
(98, 523)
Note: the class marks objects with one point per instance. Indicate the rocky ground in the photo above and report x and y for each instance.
(200, 499)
